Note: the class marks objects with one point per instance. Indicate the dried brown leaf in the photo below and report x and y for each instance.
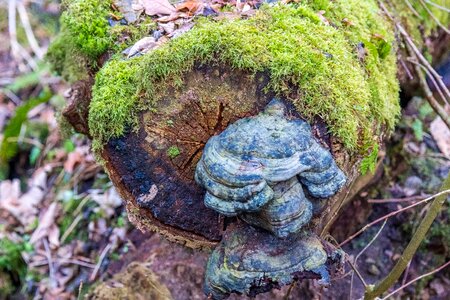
(44, 229)
(191, 6)
(441, 134)
(143, 45)
(73, 159)
(157, 7)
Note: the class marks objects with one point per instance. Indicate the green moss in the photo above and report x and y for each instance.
(66, 60)
(173, 151)
(84, 36)
(86, 21)
(113, 107)
(317, 63)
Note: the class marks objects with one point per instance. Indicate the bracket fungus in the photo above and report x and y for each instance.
(257, 169)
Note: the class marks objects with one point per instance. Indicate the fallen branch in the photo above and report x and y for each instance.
(434, 17)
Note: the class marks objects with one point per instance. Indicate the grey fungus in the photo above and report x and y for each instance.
(258, 166)
(258, 169)
(249, 261)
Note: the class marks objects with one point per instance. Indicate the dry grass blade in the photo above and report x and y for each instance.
(438, 6)
(100, 260)
(434, 17)
(28, 30)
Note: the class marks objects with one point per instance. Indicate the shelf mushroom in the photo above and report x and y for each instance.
(257, 169)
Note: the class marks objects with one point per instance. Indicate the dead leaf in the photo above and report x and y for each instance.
(73, 159)
(143, 45)
(24, 207)
(185, 28)
(46, 227)
(190, 6)
(378, 36)
(108, 201)
(441, 134)
(320, 14)
(168, 27)
(173, 17)
(130, 9)
(347, 22)
(157, 7)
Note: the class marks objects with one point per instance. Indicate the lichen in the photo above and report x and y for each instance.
(313, 64)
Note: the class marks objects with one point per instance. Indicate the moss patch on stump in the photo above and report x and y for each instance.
(313, 59)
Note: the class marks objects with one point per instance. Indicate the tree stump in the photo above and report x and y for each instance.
(332, 64)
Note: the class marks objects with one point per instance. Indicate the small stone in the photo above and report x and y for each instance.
(370, 260)
(373, 269)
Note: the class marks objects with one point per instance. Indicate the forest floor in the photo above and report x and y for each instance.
(63, 228)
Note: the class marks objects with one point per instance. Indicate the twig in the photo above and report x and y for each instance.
(414, 48)
(423, 59)
(12, 30)
(71, 228)
(405, 277)
(396, 200)
(433, 80)
(51, 267)
(77, 262)
(291, 287)
(417, 279)
(17, 51)
(362, 251)
(357, 273)
(14, 98)
(62, 261)
(28, 31)
(434, 17)
(392, 214)
(419, 235)
(430, 97)
(405, 67)
(431, 77)
(15, 139)
(99, 263)
(438, 6)
(412, 9)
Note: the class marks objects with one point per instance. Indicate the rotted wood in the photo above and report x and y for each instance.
(77, 110)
